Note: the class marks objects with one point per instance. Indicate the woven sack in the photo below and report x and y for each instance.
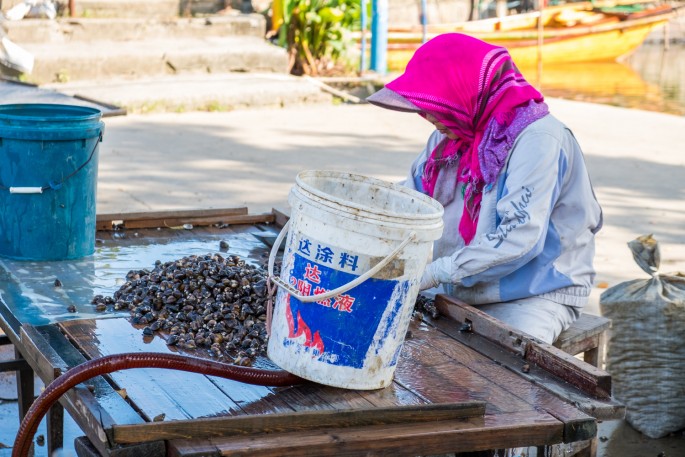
(646, 350)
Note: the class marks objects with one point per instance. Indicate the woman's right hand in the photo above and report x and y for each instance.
(428, 279)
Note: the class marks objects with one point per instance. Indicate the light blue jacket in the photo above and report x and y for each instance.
(536, 229)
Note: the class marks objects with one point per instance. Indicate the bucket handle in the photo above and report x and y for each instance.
(52, 185)
(331, 293)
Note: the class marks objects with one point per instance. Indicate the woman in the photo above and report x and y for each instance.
(520, 213)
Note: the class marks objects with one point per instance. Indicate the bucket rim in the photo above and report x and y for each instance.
(10, 111)
(414, 217)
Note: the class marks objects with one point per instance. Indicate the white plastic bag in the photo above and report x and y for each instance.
(32, 9)
(18, 11)
(42, 9)
(646, 351)
(14, 57)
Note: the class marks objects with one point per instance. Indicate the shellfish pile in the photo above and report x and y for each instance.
(207, 302)
(426, 305)
(199, 302)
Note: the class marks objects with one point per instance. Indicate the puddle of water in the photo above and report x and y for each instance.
(28, 288)
(652, 79)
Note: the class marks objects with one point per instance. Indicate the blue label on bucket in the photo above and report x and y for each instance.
(340, 330)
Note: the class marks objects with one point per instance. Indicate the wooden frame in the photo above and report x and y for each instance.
(437, 416)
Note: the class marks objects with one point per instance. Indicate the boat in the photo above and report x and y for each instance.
(574, 32)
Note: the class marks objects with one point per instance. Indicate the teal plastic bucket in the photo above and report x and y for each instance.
(48, 180)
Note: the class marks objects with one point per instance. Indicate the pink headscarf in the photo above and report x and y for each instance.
(476, 91)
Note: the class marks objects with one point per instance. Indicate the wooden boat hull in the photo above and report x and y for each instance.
(608, 40)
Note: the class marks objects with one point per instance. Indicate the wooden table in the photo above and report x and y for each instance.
(464, 383)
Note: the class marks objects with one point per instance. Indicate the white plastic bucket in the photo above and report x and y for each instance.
(355, 252)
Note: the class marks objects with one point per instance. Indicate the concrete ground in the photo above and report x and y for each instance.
(250, 158)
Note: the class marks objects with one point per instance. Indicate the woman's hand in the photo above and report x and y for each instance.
(428, 280)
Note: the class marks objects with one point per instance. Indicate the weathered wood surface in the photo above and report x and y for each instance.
(9, 324)
(151, 215)
(294, 422)
(48, 365)
(169, 219)
(156, 392)
(587, 335)
(511, 352)
(42, 357)
(280, 216)
(439, 366)
(508, 377)
(586, 377)
(466, 435)
(170, 222)
(95, 406)
(586, 327)
(428, 373)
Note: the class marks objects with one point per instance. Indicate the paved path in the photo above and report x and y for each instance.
(251, 157)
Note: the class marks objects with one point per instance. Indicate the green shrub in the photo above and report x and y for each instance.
(318, 35)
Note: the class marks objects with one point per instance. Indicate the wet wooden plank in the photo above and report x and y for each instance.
(84, 448)
(94, 405)
(158, 393)
(237, 236)
(188, 448)
(9, 323)
(442, 377)
(48, 365)
(130, 220)
(319, 396)
(532, 377)
(197, 221)
(259, 399)
(312, 397)
(585, 377)
(342, 399)
(501, 431)
(294, 422)
(577, 425)
(201, 231)
(394, 394)
(123, 237)
(482, 324)
(585, 332)
(145, 215)
(281, 216)
(302, 398)
(118, 410)
(250, 398)
(41, 356)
